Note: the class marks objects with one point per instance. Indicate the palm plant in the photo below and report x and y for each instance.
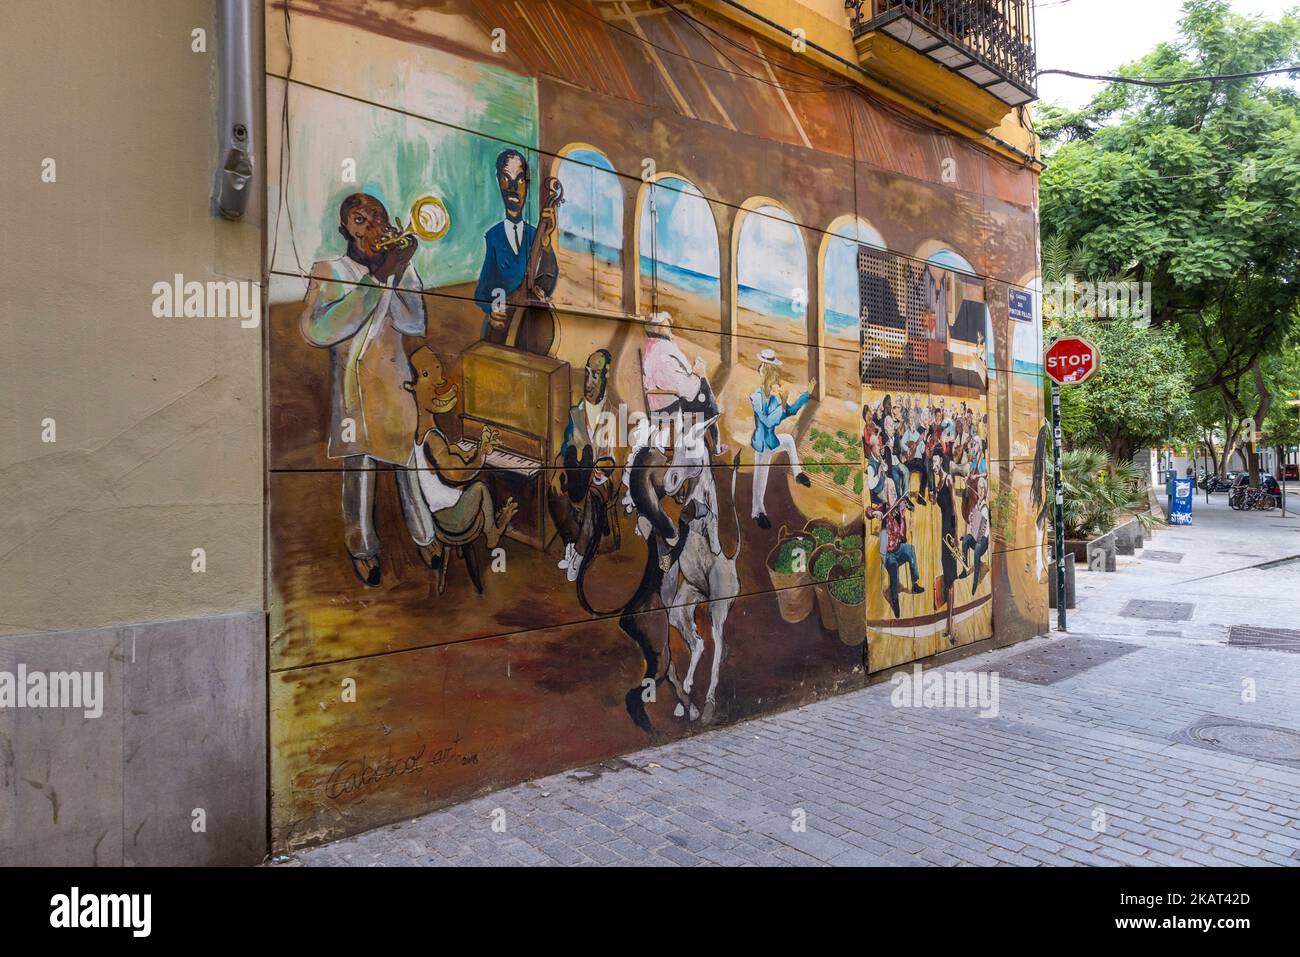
(1097, 489)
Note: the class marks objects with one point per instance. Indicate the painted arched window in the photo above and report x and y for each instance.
(841, 290)
(677, 242)
(972, 323)
(590, 241)
(1026, 337)
(1024, 397)
(841, 303)
(771, 287)
(951, 260)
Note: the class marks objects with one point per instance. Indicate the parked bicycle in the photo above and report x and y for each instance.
(1245, 498)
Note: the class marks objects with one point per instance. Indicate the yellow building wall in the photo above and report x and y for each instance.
(156, 422)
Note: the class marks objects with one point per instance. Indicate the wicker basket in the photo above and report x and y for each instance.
(825, 610)
(823, 525)
(851, 619)
(792, 596)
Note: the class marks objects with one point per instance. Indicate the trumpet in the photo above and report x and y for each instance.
(950, 543)
(429, 221)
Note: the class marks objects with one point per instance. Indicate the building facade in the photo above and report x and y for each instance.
(626, 368)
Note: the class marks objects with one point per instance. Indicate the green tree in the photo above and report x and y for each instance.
(1097, 491)
(1225, 430)
(1140, 394)
(1282, 425)
(1196, 190)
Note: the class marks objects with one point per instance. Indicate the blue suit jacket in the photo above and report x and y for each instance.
(768, 415)
(502, 268)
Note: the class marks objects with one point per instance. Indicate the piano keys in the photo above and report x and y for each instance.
(503, 459)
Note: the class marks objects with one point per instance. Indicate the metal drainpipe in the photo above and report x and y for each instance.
(235, 110)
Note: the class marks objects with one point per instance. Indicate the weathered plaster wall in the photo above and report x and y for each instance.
(158, 421)
(826, 24)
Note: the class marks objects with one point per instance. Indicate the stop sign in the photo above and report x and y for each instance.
(1071, 361)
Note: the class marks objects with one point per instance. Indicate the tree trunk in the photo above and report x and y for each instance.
(1257, 421)
(1213, 454)
(1230, 448)
(1120, 450)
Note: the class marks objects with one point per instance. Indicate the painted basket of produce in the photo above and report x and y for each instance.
(848, 598)
(823, 530)
(836, 559)
(825, 560)
(787, 565)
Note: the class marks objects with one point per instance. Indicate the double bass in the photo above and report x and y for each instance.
(530, 325)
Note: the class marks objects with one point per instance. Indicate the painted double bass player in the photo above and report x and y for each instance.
(520, 269)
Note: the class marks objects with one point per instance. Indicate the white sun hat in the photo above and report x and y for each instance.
(768, 357)
(660, 319)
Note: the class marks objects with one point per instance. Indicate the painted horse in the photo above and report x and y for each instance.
(701, 571)
(684, 566)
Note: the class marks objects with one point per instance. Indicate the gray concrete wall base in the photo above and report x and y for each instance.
(172, 772)
(1129, 537)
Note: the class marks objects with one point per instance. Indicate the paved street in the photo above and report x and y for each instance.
(1141, 737)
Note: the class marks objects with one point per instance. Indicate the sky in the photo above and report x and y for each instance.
(1096, 36)
(686, 236)
(593, 197)
(770, 253)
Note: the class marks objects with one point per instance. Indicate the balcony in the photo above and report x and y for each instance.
(989, 44)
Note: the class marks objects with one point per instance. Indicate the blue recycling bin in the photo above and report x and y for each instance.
(1181, 493)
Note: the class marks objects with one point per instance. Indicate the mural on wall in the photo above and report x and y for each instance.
(1030, 436)
(360, 306)
(772, 284)
(678, 255)
(925, 437)
(564, 459)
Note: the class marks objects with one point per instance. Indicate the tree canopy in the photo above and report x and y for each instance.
(1140, 395)
(1194, 189)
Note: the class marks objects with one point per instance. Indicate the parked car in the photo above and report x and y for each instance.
(1291, 473)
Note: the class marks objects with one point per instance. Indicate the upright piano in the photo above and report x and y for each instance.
(525, 397)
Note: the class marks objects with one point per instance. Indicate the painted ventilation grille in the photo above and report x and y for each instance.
(891, 322)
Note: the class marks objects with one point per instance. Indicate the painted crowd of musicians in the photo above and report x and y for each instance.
(936, 441)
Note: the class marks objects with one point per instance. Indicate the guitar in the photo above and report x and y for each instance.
(932, 436)
(522, 299)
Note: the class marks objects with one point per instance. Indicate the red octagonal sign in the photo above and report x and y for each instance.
(1071, 361)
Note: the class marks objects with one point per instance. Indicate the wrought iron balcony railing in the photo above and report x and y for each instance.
(989, 42)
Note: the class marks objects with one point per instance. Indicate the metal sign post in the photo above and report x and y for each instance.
(1068, 361)
(1060, 507)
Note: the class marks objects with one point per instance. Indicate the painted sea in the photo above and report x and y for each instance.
(761, 301)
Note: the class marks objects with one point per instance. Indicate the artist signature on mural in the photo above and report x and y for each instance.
(358, 774)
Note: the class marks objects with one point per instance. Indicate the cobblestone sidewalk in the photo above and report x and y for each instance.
(1110, 747)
